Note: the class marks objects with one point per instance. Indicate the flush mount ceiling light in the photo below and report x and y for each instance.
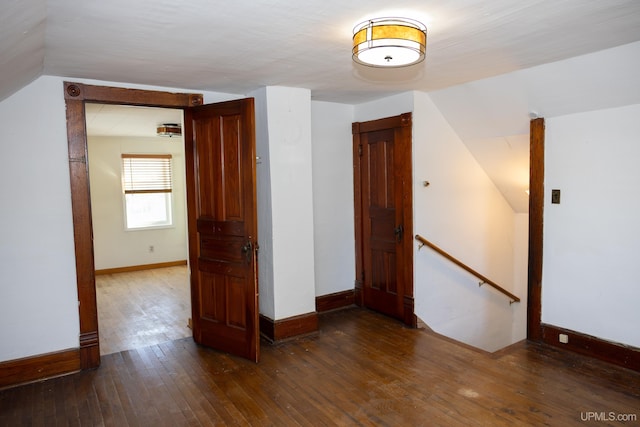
(169, 129)
(389, 42)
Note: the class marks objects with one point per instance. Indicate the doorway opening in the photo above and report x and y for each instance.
(224, 300)
(76, 95)
(142, 282)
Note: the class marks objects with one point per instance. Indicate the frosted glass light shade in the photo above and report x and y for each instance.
(389, 42)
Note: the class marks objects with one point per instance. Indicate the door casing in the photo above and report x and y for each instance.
(76, 95)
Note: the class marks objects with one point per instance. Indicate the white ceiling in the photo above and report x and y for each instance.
(239, 46)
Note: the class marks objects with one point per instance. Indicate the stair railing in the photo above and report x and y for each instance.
(485, 280)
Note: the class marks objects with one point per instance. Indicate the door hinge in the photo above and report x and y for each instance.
(360, 150)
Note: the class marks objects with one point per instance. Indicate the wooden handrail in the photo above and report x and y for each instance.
(489, 282)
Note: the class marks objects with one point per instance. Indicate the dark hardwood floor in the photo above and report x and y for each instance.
(361, 369)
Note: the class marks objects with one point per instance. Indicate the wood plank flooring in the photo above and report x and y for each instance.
(142, 308)
(360, 369)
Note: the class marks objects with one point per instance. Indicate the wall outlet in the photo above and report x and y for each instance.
(563, 338)
(151, 248)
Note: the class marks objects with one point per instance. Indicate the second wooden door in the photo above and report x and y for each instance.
(382, 165)
(221, 198)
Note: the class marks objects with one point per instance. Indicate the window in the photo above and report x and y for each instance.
(146, 182)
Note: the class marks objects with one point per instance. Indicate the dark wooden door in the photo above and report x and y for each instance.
(221, 198)
(383, 216)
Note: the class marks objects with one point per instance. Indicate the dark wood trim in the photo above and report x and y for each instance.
(267, 327)
(357, 215)
(403, 120)
(536, 215)
(290, 327)
(404, 131)
(82, 228)
(117, 95)
(28, 369)
(75, 95)
(358, 296)
(335, 301)
(608, 351)
(89, 350)
(410, 319)
(140, 267)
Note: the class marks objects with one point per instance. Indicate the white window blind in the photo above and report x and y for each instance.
(146, 182)
(146, 173)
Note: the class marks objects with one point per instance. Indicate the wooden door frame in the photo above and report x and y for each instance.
(536, 217)
(405, 124)
(76, 95)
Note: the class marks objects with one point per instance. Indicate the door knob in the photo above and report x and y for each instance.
(398, 231)
(247, 249)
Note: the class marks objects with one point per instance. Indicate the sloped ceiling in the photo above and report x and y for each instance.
(239, 46)
(22, 43)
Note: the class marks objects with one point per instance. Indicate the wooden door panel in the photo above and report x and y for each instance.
(205, 169)
(232, 191)
(222, 267)
(218, 286)
(212, 297)
(212, 248)
(383, 222)
(207, 225)
(380, 168)
(221, 196)
(225, 202)
(383, 271)
(381, 219)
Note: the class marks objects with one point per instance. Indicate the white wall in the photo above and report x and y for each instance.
(334, 250)
(113, 245)
(38, 303)
(520, 276)
(286, 206)
(462, 212)
(386, 107)
(592, 238)
(38, 293)
(265, 223)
